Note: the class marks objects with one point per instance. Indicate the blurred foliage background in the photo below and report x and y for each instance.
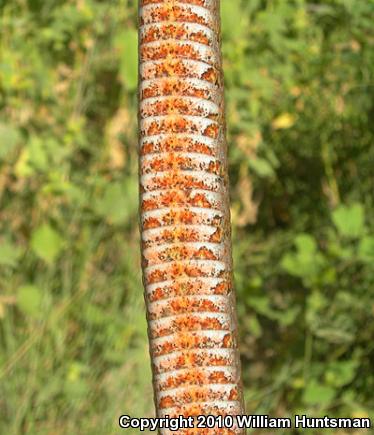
(299, 92)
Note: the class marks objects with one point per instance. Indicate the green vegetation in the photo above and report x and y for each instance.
(299, 92)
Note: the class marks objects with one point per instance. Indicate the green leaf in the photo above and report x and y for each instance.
(316, 393)
(127, 43)
(349, 220)
(306, 244)
(29, 299)
(254, 326)
(307, 261)
(261, 166)
(287, 317)
(232, 19)
(10, 136)
(341, 373)
(9, 254)
(46, 243)
(33, 158)
(366, 249)
(261, 305)
(38, 153)
(290, 264)
(119, 202)
(317, 301)
(75, 385)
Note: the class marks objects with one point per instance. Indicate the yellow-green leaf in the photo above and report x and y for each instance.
(127, 43)
(283, 121)
(29, 298)
(46, 243)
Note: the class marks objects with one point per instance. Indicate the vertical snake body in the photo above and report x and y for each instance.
(185, 219)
